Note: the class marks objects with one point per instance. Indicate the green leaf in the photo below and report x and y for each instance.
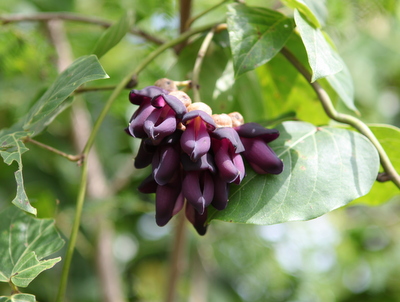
(389, 137)
(322, 58)
(83, 70)
(325, 168)
(24, 242)
(113, 35)
(18, 298)
(11, 149)
(302, 7)
(256, 35)
(342, 83)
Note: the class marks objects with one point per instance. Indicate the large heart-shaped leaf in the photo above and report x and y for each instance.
(322, 58)
(113, 35)
(18, 298)
(24, 242)
(256, 35)
(83, 70)
(325, 168)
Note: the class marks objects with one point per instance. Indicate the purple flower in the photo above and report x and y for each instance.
(158, 113)
(226, 145)
(169, 200)
(163, 121)
(221, 193)
(198, 182)
(195, 139)
(260, 156)
(196, 219)
(165, 163)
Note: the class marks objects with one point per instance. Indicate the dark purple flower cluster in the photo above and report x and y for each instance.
(194, 156)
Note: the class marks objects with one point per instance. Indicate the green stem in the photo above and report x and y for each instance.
(74, 233)
(54, 150)
(191, 20)
(198, 63)
(345, 118)
(134, 74)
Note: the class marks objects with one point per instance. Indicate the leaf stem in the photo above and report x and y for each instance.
(14, 288)
(197, 65)
(177, 260)
(133, 75)
(345, 118)
(54, 150)
(5, 19)
(74, 233)
(190, 21)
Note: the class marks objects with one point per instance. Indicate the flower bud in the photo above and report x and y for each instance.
(182, 96)
(222, 120)
(200, 106)
(237, 119)
(166, 84)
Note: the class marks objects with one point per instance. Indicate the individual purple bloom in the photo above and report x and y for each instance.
(166, 162)
(138, 119)
(221, 193)
(169, 200)
(163, 121)
(226, 145)
(198, 189)
(195, 139)
(137, 97)
(148, 185)
(196, 219)
(145, 155)
(260, 156)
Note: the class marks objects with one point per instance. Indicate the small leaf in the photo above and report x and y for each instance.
(381, 192)
(11, 149)
(18, 298)
(83, 70)
(322, 58)
(24, 242)
(324, 168)
(342, 83)
(256, 35)
(302, 7)
(113, 35)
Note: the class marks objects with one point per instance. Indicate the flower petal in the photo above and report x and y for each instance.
(256, 130)
(146, 94)
(261, 157)
(195, 140)
(198, 188)
(197, 220)
(165, 164)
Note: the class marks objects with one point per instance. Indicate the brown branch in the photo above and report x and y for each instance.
(5, 19)
(177, 261)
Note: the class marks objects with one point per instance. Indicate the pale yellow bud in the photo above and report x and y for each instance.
(166, 84)
(200, 106)
(237, 119)
(222, 120)
(182, 96)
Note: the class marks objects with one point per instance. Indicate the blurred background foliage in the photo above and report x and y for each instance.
(351, 254)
